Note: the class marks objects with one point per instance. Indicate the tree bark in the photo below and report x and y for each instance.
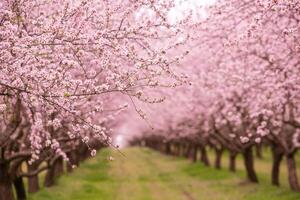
(232, 161)
(292, 172)
(84, 151)
(204, 157)
(218, 159)
(188, 150)
(195, 153)
(168, 148)
(20, 188)
(181, 150)
(33, 181)
(258, 149)
(249, 165)
(49, 179)
(175, 150)
(59, 167)
(53, 172)
(74, 160)
(277, 155)
(69, 167)
(6, 191)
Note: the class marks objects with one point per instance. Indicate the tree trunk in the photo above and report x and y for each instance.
(59, 167)
(218, 158)
(258, 149)
(53, 172)
(232, 161)
(195, 153)
(49, 179)
(83, 151)
(20, 188)
(292, 172)
(33, 181)
(168, 148)
(181, 150)
(74, 160)
(174, 150)
(69, 168)
(249, 165)
(277, 155)
(188, 150)
(6, 191)
(204, 157)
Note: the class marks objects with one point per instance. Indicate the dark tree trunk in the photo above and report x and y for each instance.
(6, 191)
(292, 172)
(174, 150)
(53, 172)
(204, 157)
(187, 151)
(277, 155)
(181, 150)
(218, 159)
(84, 150)
(232, 161)
(49, 179)
(33, 181)
(20, 188)
(168, 148)
(74, 160)
(195, 153)
(249, 165)
(59, 167)
(69, 168)
(177, 149)
(258, 149)
(184, 150)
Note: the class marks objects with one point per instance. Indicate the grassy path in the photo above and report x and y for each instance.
(147, 175)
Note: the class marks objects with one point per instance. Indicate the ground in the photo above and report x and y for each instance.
(143, 174)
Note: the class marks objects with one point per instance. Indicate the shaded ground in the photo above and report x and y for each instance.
(147, 175)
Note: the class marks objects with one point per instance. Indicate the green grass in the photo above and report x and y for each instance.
(88, 182)
(147, 175)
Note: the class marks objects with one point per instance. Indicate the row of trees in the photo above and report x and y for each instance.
(244, 69)
(67, 69)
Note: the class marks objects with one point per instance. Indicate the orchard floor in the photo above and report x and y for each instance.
(147, 175)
